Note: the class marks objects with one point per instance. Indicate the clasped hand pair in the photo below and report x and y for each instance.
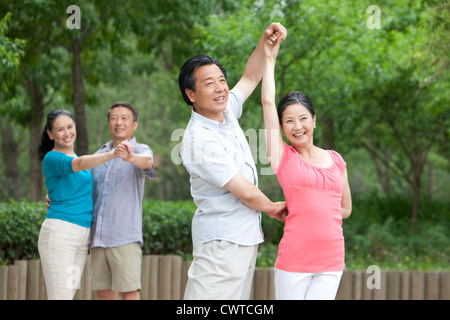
(123, 150)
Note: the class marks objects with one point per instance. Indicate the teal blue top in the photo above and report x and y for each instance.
(70, 192)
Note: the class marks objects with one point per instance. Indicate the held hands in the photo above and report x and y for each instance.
(273, 36)
(279, 212)
(124, 151)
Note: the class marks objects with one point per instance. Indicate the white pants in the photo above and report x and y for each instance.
(221, 270)
(306, 286)
(63, 248)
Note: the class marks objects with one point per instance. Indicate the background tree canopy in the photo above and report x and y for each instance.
(381, 94)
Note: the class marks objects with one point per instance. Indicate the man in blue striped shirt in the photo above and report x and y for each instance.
(118, 192)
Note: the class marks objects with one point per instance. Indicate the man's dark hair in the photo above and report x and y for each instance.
(186, 79)
(125, 105)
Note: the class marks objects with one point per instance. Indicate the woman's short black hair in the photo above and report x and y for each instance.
(294, 97)
(186, 79)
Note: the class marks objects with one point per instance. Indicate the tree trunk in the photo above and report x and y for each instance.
(327, 133)
(78, 97)
(431, 179)
(416, 186)
(10, 152)
(35, 126)
(415, 209)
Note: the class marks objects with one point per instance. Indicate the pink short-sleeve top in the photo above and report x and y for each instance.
(313, 239)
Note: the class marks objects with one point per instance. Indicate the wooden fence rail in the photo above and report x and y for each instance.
(164, 278)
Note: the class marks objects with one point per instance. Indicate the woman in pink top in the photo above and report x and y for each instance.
(311, 253)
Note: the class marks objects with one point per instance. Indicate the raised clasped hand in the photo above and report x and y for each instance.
(274, 35)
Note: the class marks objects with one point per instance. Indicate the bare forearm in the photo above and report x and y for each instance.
(91, 161)
(274, 142)
(268, 84)
(252, 196)
(346, 206)
(140, 161)
(253, 72)
(346, 202)
(254, 68)
(256, 199)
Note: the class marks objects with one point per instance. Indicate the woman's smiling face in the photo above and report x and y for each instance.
(298, 124)
(63, 132)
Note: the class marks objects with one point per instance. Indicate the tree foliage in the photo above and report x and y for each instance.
(383, 92)
(367, 84)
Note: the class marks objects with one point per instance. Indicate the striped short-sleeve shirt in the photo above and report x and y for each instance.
(117, 195)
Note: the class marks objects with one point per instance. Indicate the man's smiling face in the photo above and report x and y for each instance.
(211, 92)
(122, 124)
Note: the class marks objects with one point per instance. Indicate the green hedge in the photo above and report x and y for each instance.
(166, 228)
(20, 223)
(378, 232)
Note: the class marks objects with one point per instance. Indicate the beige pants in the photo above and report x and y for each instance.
(221, 270)
(63, 248)
(117, 268)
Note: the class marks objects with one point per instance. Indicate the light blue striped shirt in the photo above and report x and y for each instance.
(117, 195)
(213, 152)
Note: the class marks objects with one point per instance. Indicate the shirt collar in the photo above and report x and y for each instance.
(208, 123)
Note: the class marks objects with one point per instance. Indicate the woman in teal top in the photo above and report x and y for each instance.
(71, 192)
(64, 236)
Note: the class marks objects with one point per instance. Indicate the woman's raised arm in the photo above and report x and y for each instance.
(274, 140)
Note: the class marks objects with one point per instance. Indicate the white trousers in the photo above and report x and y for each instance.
(306, 286)
(63, 248)
(221, 270)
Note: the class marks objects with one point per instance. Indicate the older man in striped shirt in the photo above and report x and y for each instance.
(118, 192)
